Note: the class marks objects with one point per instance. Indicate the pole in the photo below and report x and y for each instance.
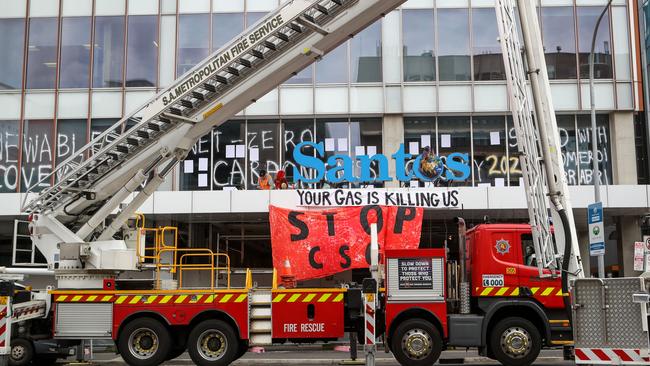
(594, 132)
(644, 72)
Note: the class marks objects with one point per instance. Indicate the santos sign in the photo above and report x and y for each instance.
(340, 168)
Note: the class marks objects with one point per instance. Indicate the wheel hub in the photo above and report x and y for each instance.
(212, 345)
(516, 342)
(417, 344)
(17, 352)
(143, 343)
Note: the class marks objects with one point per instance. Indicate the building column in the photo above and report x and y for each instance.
(623, 148)
(392, 138)
(629, 232)
(583, 243)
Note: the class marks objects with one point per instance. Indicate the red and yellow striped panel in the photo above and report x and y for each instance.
(313, 297)
(514, 291)
(157, 299)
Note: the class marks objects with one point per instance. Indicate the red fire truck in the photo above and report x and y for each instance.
(490, 292)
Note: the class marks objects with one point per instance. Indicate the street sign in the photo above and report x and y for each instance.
(596, 229)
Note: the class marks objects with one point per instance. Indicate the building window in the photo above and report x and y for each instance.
(229, 155)
(488, 60)
(70, 137)
(365, 54)
(333, 68)
(419, 133)
(263, 148)
(108, 56)
(12, 34)
(334, 135)
(253, 17)
(142, 51)
(37, 154)
(41, 53)
(366, 139)
(585, 156)
(225, 27)
(454, 136)
(453, 45)
(193, 41)
(9, 145)
(418, 35)
(587, 18)
(567, 128)
(490, 160)
(558, 29)
(294, 133)
(196, 174)
(75, 52)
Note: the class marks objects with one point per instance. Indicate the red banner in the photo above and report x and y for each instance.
(321, 243)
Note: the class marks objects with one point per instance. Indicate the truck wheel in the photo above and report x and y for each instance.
(22, 352)
(416, 342)
(144, 342)
(212, 343)
(515, 342)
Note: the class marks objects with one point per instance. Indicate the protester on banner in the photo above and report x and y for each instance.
(265, 180)
(281, 180)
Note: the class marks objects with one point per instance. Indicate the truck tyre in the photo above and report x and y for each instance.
(515, 342)
(416, 342)
(22, 352)
(144, 342)
(213, 343)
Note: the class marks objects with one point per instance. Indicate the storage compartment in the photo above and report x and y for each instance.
(83, 320)
(465, 330)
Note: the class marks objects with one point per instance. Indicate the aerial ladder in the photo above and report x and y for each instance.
(70, 221)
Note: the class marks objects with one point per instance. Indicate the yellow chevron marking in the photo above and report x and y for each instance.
(324, 297)
(135, 299)
(279, 297)
(180, 299)
(241, 298)
(502, 291)
(226, 298)
(486, 291)
(91, 298)
(534, 290)
(76, 298)
(548, 291)
(61, 297)
(121, 299)
(515, 292)
(293, 298)
(151, 299)
(196, 299)
(338, 298)
(309, 297)
(166, 299)
(559, 293)
(209, 299)
(107, 298)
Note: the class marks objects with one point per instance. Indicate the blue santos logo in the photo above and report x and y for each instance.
(427, 167)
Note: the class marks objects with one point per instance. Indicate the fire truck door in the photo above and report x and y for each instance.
(499, 276)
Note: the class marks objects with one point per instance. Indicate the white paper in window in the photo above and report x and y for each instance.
(499, 182)
(372, 150)
(481, 185)
(414, 148)
(445, 141)
(425, 140)
(329, 145)
(203, 180)
(359, 150)
(203, 164)
(495, 138)
(240, 151)
(254, 154)
(230, 151)
(414, 184)
(343, 145)
(188, 166)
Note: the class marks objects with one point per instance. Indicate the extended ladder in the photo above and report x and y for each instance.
(537, 134)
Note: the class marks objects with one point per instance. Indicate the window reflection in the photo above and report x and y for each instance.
(142, 51)
(12, 33)
(333, 68)
(225, 27)
(453, 42)
(559, 42)
(75, 52)
(253, 17)
(193, 41)
(365, 51)
(587, 17)
(418, 35)
(108, 56)
(488, 61)
(41, 53)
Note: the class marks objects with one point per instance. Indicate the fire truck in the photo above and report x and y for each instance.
(503, 290)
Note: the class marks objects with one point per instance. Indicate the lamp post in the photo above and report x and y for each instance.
(594, 133)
